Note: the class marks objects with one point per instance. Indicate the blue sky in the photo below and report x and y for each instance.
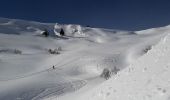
(115, 14)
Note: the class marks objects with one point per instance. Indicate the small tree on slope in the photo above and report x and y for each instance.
(62, 33)
(45, 33)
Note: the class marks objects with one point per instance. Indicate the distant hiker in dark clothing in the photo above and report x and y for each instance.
(62, 33)
(53, 67)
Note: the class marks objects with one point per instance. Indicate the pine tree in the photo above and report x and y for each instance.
(62, 33)
(45, 33)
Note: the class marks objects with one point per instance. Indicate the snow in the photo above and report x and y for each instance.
(70, 30)
(139, 58)
(145, 79)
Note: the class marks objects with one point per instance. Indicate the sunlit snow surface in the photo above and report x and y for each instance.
(141, 56)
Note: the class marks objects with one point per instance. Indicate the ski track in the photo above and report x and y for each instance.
(40, 72)
(56, 92)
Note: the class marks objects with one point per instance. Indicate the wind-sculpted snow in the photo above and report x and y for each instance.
(28, 70)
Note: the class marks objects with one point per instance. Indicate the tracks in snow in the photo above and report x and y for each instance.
(39, 72)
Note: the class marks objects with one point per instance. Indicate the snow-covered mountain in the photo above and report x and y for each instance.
(34, 67)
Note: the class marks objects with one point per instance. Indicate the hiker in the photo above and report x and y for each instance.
(53, 67)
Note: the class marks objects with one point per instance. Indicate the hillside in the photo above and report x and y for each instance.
(27, 72)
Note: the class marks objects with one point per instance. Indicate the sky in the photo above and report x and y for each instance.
(112, 14)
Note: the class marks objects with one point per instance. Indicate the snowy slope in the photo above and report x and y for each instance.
(26, 66)
(15, 26)
(146, 79)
